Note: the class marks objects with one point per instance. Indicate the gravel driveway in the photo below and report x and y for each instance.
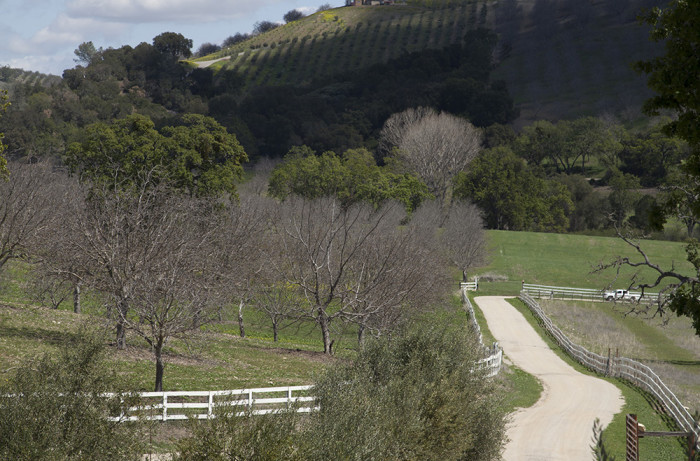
(559, 426)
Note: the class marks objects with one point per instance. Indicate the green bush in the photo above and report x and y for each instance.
(233, 435)
(54, 409)
(414, 397)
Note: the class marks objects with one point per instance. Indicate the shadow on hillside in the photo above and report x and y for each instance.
(52, 337)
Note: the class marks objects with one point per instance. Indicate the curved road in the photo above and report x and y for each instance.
(560, 425)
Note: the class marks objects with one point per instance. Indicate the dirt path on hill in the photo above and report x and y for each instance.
(559, 426)
(205, 64)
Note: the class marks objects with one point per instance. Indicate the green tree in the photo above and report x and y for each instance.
(511, 194)
(173, 44)
(422, 391)
(670, 75)
(199, 156)
(352, 177)
(650, 156)
(86, 53)
(567, 145)
(623, 197)
(55, 408)
(673, 76)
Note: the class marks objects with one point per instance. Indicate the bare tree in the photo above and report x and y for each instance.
(153, 252)
(279, 302)
(29, 199)
(178, 288)
(463, 239)
(345, 261)
(677, 288)
(59, 271)
(244, 234)
(434, 146)
(399, 273)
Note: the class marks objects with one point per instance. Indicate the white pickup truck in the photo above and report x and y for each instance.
(620, 295)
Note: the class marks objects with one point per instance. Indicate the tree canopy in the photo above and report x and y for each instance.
(511, 194)
(673, 77)
(352, 177)
(174, 44)
(198, 155)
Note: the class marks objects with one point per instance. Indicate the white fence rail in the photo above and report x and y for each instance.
(470, 286)
(579, 294)
(620, 367)
(180, 405)
(494, 354)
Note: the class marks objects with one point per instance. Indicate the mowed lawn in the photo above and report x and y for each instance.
(218, 358)
(569, 260)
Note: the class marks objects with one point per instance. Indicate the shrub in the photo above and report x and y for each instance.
(418, 395)
(421, 391)
(241, 436)
(54, 409)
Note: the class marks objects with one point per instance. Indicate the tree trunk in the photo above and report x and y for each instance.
(464, 276)
(76, 298)
(158, 349)
(121, 335)
(241, 327)
(121, 327)
(274, 330)
(324, 323)
(361, 335)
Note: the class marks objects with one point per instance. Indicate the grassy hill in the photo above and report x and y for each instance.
(569, 260)
(10, 76)
(347, 39)
(217, 358)
(562, 61)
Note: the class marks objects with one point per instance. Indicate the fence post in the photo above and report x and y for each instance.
(250, 400)
(165, 406)
(210, 407)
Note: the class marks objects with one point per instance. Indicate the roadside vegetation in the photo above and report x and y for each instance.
(636, 401)
(287, 215)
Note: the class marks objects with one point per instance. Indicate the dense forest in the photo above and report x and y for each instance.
(584, 174)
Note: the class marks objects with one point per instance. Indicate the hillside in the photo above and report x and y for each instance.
(559, 58)
(10, 76)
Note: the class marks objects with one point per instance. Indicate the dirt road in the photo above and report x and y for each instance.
(559, 426)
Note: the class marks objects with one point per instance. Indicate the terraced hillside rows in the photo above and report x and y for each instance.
(347, 39)
(559, 58)
(10, 77)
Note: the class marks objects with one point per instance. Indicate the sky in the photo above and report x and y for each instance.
(41, 35)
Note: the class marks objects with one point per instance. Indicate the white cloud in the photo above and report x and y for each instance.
(47, 64)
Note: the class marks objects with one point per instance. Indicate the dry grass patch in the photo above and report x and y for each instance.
(670, 347)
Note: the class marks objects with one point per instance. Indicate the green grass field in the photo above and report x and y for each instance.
(218, 358)
(568, 260)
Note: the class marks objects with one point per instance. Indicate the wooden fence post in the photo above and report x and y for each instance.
(632, 438)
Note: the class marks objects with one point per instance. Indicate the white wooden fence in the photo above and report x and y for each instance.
(620, 367)
(494, 354)
(471, 286)
(579, 294)
(180, 405)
